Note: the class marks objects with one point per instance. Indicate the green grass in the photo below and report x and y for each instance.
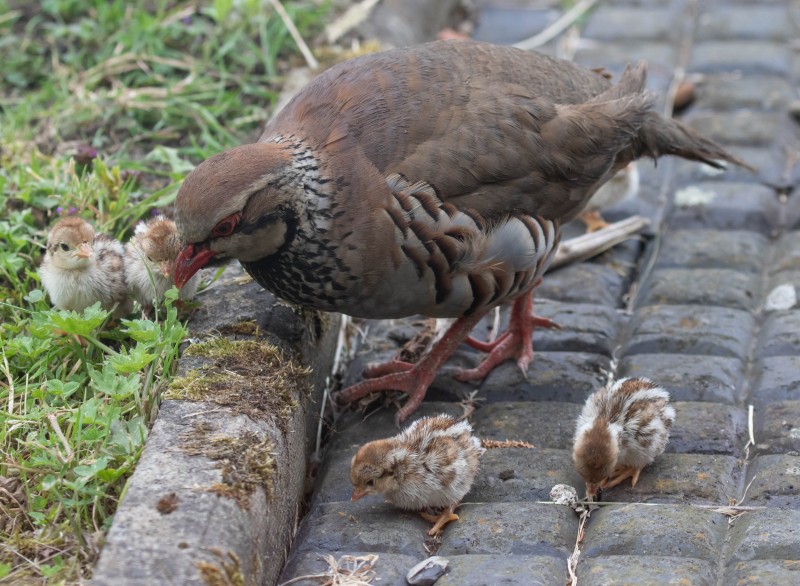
(104, 108)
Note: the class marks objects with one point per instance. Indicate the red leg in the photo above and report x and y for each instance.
(516, 342)
(415, 379)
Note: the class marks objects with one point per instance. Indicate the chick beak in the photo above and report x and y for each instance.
(357, 494)
(189, 261)
(84, 250)
(592, 490)
(165, 268)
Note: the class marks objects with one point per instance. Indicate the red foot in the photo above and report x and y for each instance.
(413, 379)
(515, 342)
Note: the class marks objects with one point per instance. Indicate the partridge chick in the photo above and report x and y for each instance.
(432, 464)
(81, 268)
(622, 186)
(622, 429)
(150, 262)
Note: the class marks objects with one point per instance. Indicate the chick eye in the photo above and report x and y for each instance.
(370, 482)
(227, 226)
(64, 246)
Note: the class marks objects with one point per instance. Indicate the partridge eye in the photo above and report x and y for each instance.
(226, 226)
(370, 482)
(64, 246)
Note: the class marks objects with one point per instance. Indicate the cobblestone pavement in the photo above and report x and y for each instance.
(706, 306)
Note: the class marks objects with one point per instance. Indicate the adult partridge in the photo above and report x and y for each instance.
(427, 180)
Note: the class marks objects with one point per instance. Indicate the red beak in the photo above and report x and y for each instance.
(357, 494)
(190, 261)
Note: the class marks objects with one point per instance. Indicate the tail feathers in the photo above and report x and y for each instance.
(661, 136)
(665, 136)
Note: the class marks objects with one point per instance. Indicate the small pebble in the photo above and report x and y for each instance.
(428, 571)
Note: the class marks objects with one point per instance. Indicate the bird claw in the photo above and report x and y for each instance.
(515, 342)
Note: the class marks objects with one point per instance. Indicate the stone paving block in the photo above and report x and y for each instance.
(757, 92)
(511, 24)
(333, 480)
(721, 22)
(764, 572)
(770, 163)
(660, 57)
(584, 327)
(742, 250)
(714, 287)
(390, 569)
(552, 376)
(688, 377)
(766, 534)
(619, 24)
(545, 424)
(508, 570)
(725, 206)
(780, 334)
(746, 56)
(586, 282)
(636, 569)
(787, 252)
(682, 478)
(642, 530)
(707, 428)
(778, 427)
(511, 529)
(777, 379)
(777, 481)
(691, 329)
(366, 525)
(521, 474)
(745, 127)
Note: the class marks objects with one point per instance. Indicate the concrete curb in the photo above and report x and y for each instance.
(176, 524)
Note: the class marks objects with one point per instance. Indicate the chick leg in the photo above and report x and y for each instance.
(515, 342)
(593, 220)
(439, 521)
(622, 474)
(413, 379)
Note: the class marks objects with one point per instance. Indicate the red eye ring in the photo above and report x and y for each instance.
(226, 226)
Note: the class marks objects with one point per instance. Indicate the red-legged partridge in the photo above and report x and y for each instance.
(150, 262)
(81, 268)
(623, 427)
(428, 180)
(431, 464)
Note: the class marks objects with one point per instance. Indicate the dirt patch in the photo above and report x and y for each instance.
(227, 573)
(245, 461)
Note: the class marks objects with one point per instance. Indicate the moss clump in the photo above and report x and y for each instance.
(227, 573)
(243, 328)
(246, 461)
(251, 377)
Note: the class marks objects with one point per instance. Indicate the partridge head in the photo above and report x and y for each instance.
(623, 427)
(150, 262)
(431, 464)
(428, 180)
(80, 268)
